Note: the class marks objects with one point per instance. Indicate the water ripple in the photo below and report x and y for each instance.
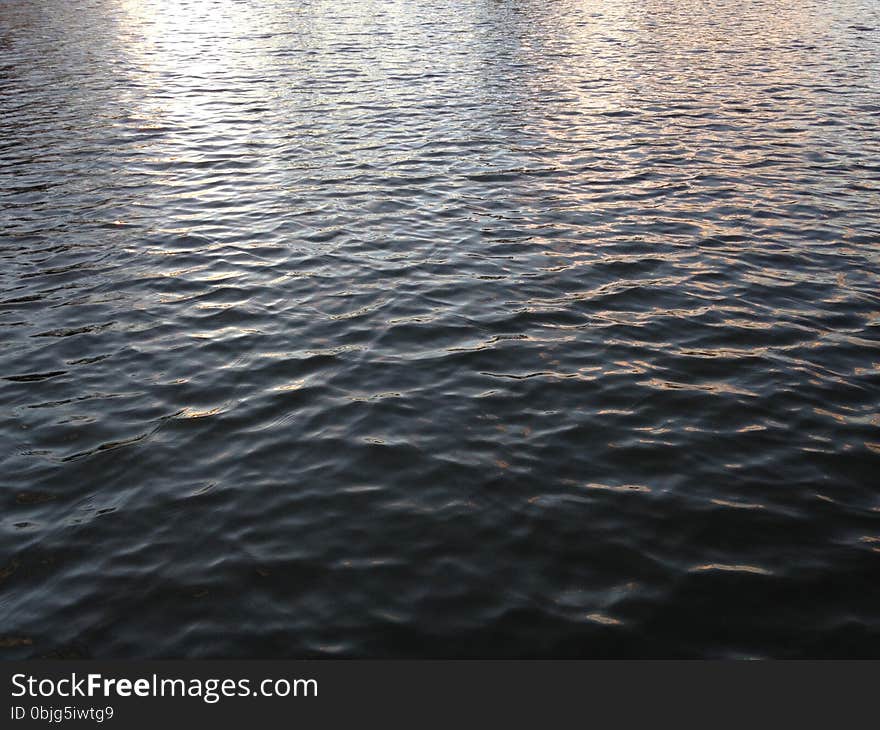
(420, 328)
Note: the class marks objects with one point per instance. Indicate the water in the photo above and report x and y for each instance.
(432, 328)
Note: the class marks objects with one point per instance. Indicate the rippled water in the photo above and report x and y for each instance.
(434, 328)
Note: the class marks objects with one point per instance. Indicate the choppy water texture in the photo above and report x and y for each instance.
(440, 328)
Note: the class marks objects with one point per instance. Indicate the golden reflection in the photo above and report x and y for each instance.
(737, 505)
(291, 386)
(723, 567)
(714, 388)
(619, 487)
(187, 413)
(601, 618)
(752, 428)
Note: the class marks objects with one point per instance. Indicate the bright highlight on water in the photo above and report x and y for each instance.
(421, 328)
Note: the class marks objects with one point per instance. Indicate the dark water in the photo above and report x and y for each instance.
(434, 328)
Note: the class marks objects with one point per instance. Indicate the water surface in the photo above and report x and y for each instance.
(432, 328)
